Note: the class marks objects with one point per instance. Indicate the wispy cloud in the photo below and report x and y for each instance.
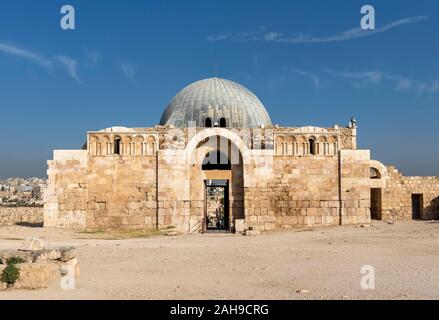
(359, 78)
(374, 77)
(315, 79)
(25, 54)
(93, 56)
(304, 38)
(129, 70)
(70, 65)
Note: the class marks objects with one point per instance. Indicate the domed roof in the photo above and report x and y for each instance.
(216, 98)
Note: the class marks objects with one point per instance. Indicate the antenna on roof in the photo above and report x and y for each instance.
(215, 62)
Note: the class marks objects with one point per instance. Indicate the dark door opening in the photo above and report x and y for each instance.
(417, 205)
(375, 203)
(216, 205)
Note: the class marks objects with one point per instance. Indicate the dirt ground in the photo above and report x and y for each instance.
(306, 263)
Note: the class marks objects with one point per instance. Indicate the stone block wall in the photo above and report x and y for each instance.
(273, 187)
(299, 191)
(174, 205)
(303, 191)
(309, 191)
(122, 192)
(65, 199)
(30, 215)
(101, 192)
(397, 196)
(354, 186)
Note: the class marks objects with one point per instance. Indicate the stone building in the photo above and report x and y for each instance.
(216, 162)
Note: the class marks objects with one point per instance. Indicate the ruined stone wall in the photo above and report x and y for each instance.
(15, 215)
(397, 196)
(101, 192)
(65, 199)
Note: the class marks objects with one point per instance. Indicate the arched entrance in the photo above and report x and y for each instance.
(378, 177)
(217, 181)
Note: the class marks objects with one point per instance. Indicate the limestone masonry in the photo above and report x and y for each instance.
(216, 163)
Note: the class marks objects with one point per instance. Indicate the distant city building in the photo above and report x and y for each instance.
(22, 191)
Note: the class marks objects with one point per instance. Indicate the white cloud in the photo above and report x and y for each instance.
(71, 66)
(359, 78)
(68, 63)
(25, 54)
(353, 33)
(374, 77)
(315, 79)
(93, 56)
(129, 70)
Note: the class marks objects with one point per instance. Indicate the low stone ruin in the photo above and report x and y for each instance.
(38, 265)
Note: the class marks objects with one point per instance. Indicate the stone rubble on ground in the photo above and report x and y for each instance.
(251, 232)
(33, 244)
(41, 264)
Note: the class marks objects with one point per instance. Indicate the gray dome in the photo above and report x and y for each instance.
(216, 98)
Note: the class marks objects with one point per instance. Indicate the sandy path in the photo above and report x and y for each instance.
(324, 261)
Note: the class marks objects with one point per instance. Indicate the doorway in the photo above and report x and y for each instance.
(216, 206)
(417, 205)
(375, 203)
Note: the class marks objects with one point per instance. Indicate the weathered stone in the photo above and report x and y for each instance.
(252, 233)
(33, 276)
(302, 291)
(67, 253)
(239, 225)
(286, 177)
(33, 244)
(10, 216)
(46, 254)
(9, 253)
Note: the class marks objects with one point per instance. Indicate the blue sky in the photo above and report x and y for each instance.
(306, 60)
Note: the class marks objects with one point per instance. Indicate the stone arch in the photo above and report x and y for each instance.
(150, 146)
(302, 144)
(374, 173)
(117, 145)
(127, 145)
(105, 145)
(312, 145)
(333, 145)
(291, 140)
(211, 132)
(378, 181)
(323, 145)
(380, 169)
(233, 173)
(280, 145)
(140, 147)
(93, 146)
